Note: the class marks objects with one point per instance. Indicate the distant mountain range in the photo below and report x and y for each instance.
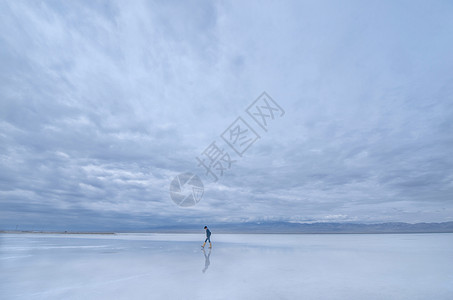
(285, 227)
(288, 227)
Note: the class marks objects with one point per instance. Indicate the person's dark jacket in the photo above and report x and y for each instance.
(208, 232)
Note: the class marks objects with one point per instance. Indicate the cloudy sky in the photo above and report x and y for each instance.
(103, 103)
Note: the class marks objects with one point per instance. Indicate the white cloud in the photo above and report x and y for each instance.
(106, 103)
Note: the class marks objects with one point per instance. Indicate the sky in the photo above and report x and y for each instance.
(103, 103)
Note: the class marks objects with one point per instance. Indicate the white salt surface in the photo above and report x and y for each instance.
(242, 266)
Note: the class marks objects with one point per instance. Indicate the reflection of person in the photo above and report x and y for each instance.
(208, 237)
(206, 260)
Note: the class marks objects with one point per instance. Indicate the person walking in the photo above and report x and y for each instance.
(208, 237)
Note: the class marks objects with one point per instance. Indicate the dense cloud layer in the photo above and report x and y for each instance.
(102, 104)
